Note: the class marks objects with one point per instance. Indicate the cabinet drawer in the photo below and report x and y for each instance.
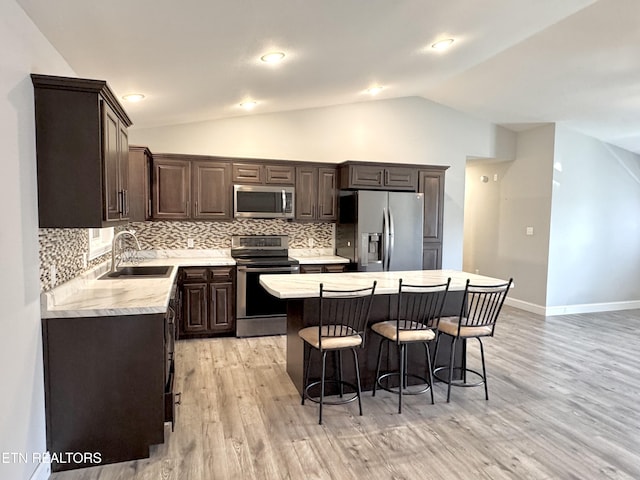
(247, 173)
(194, 274)
(365, 176)
(279, 175)
(221, 274)
(400, 177)
(310, 268)
(338, 268)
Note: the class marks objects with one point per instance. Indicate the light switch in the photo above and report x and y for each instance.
(529, 231)
(189, 242)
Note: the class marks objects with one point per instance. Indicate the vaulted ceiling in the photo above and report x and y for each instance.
(513, 62)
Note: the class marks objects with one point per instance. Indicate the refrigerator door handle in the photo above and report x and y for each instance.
(385, 239)
(391, 239)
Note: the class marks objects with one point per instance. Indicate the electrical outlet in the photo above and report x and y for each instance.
(189, 242)
(310, 242)
(529, 231)
(85, 262)
(53, 275)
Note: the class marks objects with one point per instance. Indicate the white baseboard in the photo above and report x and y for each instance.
(572, 309)
(43, 472)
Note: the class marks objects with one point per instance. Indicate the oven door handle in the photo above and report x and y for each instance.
(293, 269)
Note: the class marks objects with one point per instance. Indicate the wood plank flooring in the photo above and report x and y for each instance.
(564, 404)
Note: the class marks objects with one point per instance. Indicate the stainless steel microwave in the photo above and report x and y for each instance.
(259, 201)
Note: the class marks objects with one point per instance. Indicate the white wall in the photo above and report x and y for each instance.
(498, 213)
(23, 50)
(594, 256)
(406, 130)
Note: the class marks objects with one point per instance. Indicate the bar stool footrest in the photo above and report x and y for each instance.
(405, 391)
(342, 401)
(461, 382)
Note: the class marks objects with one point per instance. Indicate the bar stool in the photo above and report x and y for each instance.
(417, 315)
(342, 321)
(478, 316)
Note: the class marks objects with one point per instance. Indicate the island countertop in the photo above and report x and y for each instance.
(308, 285)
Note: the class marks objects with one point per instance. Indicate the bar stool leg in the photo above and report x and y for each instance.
(355, 361)
(305, 382)
(339, 354)
(484, 371)
(375, 382)
(401, 383)
(324, 365)
(453, 351)
(426, 347)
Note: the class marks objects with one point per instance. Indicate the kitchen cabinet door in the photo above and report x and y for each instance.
(221, 318)
(316, 193)
(140, 168)
(171, 189)
(327, 194)
(378, 176)
(195, 309)
(306, 193)
(211, 191)
(82, 153)
(431, 184)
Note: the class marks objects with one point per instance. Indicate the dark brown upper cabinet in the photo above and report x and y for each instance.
(191, 188)
(263, 174)
(140, 171)
(82, 153)
(378, 176)
(316, 193)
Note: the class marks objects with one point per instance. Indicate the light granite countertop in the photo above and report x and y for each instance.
(307, 286)
(89, 296)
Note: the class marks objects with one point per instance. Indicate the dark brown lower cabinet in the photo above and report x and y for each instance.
(431, 255)
(105, 387)
(207, 295)
(324, 268)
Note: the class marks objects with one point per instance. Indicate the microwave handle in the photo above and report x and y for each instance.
(284, 201)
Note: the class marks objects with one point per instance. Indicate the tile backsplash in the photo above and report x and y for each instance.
(65, 247)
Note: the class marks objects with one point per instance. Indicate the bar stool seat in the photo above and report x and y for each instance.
(311, 335)
(407, 331)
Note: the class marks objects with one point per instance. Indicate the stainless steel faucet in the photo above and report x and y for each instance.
(114, 256)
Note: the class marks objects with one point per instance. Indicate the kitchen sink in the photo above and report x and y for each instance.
(140, 271)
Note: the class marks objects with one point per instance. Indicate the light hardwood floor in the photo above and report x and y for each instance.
(564, 404)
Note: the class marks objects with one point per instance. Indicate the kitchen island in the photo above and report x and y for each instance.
(302, 293)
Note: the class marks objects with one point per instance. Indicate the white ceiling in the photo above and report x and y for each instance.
(514, 62)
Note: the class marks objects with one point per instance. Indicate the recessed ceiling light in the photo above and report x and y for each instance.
(133, 97)
(272, 57)
(442, 44)
(375, 90)
(248, 105)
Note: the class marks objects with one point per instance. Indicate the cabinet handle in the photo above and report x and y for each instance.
(149, 210)
(196, 212)
(120, 201)
(125, 203)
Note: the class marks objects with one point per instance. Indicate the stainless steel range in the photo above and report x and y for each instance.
(257, 311)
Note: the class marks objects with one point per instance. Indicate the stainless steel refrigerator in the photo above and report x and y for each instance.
(380, 231)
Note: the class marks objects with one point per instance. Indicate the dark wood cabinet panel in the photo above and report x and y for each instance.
(186, 188)
(195, 309)
(171, 188)
(207, 301)
(248, 173)
(280, 174)
(323, 268)
(431, 184)
(211, 191)
(378, 176)
(431, 255)
(263, 173)
(306, 192)
(104, 386)
(316, 193)
(140, 168)
(327, 194)
(221, 307)
(82, 153)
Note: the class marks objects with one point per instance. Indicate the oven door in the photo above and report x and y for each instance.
(257, 311)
